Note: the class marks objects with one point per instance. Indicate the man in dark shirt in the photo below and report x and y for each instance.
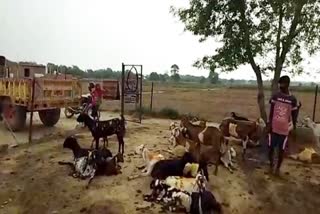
(283, 107)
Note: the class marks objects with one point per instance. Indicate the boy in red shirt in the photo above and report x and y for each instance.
(283, 107)
(96, 99)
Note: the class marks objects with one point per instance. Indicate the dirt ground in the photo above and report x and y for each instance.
(32, 182)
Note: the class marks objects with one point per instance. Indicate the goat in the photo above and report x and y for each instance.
(81, 166)
(160, 188)
(244, 130)
(206, 152)
(237, 117)
(315, 128)
(104, 165)
(103, 129)
(72, 143)
(195, 203)
(204, 135)
(149, 157)
(164, 168)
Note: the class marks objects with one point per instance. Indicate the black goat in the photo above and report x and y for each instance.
(104, 165)
(237, 117)
(79, 154)
(164, 168)
(103, 129)
(72, 143)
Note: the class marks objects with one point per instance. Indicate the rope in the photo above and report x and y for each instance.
(10, 129)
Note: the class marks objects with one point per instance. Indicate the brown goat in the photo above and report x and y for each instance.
(204, 135)
(243, 130)
(203, 153)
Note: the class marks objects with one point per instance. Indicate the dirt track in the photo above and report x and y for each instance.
(31, 181)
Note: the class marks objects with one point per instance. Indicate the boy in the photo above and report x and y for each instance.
(96, 100)
(283, 107)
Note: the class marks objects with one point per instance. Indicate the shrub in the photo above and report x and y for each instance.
(169, 113)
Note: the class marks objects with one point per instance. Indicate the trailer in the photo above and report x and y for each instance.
(27, 88)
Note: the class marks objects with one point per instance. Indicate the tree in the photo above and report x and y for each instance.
(154, 76)
(213, 77)
(266, 34)
(174, 69)
(202, 80)
(175, 77)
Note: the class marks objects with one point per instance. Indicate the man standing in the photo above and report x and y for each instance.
(283, 107)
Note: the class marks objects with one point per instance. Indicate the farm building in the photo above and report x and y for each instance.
(20, 69)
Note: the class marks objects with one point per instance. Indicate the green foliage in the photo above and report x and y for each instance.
(174, 69)
(154, 76)
(169, 113)
(163, 113)
(78, 72)
(213, 77)
(175, 77)
(276, 31)
(202, 80)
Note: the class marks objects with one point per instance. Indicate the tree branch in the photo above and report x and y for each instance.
(292, 32)
(278, 42)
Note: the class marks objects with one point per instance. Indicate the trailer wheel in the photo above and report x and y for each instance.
(49, 117)
(14, 116)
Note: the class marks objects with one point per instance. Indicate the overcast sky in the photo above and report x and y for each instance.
(105, 33)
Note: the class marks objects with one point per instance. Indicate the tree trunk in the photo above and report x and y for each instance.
(255, 67)
(278, 64)
(260, 98)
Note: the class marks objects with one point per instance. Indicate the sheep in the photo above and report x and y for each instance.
(164, 168)
(244, 130)
(315, 128)
(237, 117)
(149, 157)
(103, 129)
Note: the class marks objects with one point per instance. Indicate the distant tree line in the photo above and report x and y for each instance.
(74, 70)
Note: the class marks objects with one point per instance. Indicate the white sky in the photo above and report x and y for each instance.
(105, 33)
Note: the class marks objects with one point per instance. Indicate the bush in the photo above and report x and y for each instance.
(169, 113)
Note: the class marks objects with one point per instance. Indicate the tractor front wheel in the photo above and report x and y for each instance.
(49, 117)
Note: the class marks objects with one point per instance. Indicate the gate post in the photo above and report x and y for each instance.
(315, 104)
(122, 90)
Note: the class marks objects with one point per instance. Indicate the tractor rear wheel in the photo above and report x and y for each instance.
(49, 117)
(14, 116)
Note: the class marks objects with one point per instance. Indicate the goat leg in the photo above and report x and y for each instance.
(97, 143)
(93, 140)
(244, 147)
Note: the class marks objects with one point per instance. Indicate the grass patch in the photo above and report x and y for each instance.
(169, 113)
(163, 113)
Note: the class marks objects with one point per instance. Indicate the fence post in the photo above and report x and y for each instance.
(151, 99)
(315, 103)
(31, 109)
(122, 89)
(141, 76)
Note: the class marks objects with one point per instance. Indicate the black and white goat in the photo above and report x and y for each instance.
(90, 163)
(188, 194)
(202, 202)
(103, 129)
(104, 165)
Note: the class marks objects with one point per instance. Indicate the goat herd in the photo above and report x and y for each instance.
(177, 183)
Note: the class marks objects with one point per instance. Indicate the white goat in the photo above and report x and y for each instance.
(315, 128)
